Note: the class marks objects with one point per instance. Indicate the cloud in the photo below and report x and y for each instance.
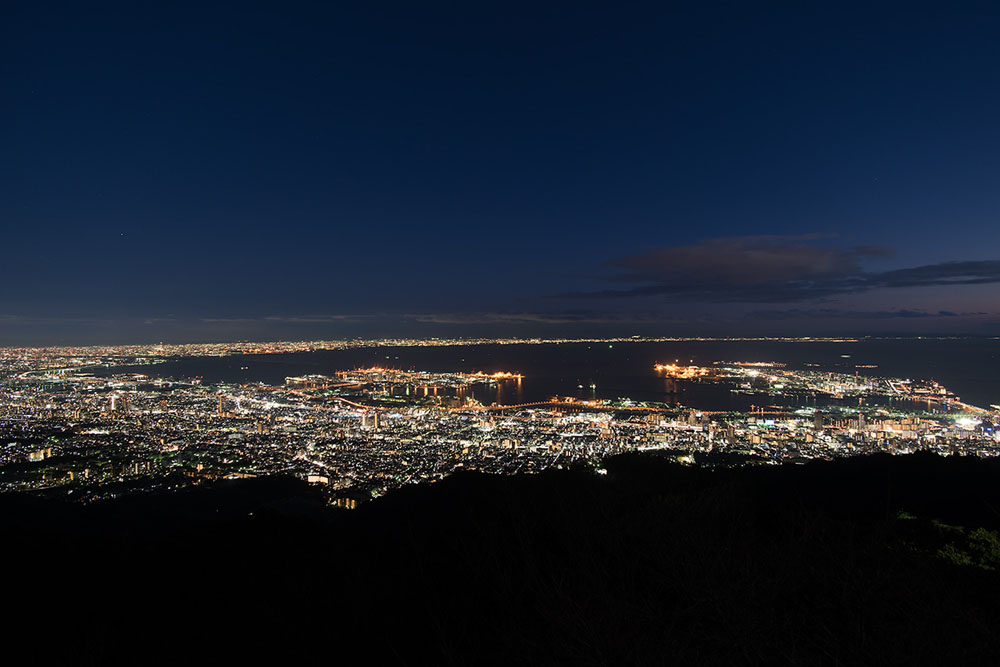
(744, 260)
(774, 269)
(569, 317)
(317, 319)
(838, 314)
(9, 319)
(947, 273)
(286, 319)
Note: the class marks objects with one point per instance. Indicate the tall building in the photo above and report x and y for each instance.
(818, 421)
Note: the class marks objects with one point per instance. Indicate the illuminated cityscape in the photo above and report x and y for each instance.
(545, 333)
(360, 432)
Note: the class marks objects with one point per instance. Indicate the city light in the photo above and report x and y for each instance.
(84, 426)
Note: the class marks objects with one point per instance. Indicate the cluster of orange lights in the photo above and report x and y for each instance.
(499, 375)
(576, 401)
(683, 372)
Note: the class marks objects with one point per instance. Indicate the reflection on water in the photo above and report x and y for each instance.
(581, 370)
(499, 392)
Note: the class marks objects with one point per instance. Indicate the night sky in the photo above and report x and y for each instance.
(211, 171)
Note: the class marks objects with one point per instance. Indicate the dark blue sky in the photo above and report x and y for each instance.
(174, 171)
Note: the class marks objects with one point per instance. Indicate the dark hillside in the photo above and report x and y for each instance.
(653, 562)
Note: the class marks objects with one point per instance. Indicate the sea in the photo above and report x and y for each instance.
(969, 367)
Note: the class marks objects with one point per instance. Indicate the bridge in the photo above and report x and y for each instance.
(591, 407)
(331, 385)
(567, 405)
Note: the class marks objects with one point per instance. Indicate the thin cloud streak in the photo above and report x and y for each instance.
(774, 269)
(839, 314)
(539, 318)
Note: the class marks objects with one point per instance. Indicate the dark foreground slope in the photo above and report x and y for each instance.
(650, 564)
